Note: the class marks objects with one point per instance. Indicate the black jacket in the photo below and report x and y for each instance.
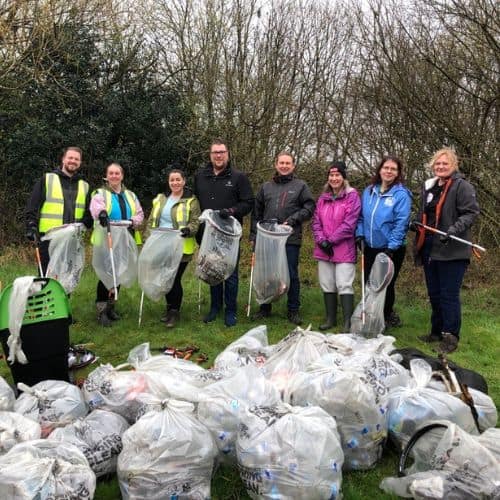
(284, 198)
(70, 188)
(230, 189)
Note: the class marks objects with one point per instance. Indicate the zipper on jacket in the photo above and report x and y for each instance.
(372, 217)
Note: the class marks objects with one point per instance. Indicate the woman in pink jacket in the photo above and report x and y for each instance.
(334, 224)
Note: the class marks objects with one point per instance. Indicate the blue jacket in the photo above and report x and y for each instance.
(384, 218)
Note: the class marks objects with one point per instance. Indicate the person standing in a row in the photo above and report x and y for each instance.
(383, 224)
(334, 224)
(287, 199)
(59, 197)
(114, 202)
(219, 186)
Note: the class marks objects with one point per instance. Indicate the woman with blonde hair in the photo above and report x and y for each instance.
(448, 203)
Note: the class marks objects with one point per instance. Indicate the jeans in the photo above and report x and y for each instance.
(174, 296)
(444, 279)
(227, 289)
(398, 259)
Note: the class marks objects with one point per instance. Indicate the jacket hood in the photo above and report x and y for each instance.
(432, 181)
(327, 195)
(283, 179)
(188, 192)
(60, 173)
(208, 170)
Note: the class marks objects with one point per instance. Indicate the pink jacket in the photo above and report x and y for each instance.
(335, 220)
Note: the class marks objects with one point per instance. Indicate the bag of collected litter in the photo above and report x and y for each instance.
(271, 278)
(349, 397)
(67, 254)
(43, 469)
(490, 439)
(167, 454)
(16, 428)
(219, 249)
(383, 344)
(380, 276)
(222, 404)
(51, 403)
(124, 255)
(252, 348)
(7, 396)
(289, 452)
(98, 436)
(449, 464)
(108, 388)
(158, 262)
(412, 407)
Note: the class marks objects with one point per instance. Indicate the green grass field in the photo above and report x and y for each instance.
(479, 347)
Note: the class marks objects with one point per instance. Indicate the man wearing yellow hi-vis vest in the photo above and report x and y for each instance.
(59, 197)
(177, 208)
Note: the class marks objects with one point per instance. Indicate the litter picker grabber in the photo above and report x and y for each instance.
(363, 308)
(141, 305)
(112, 259)
(199, 296)
(452, 237)
(38, 258)
(252, 265)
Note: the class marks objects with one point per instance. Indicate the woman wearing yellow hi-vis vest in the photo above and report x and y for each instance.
(177, 208)
(114, 202)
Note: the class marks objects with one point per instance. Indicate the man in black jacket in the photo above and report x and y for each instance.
(59, 197)
(219, 186)
(289, 200)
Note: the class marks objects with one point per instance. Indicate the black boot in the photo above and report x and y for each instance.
(111, 312)
(102, 317)
(331, 311)
(173, 318)
(347, 301)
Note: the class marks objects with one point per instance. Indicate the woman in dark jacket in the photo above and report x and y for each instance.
(448, 203)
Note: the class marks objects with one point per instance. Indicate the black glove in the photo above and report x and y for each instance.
(103, 218)
(32, 233)
(291, 221)
(444, 239)
(360, 242)
(225, 213)
(327, 247)
(414, 226)
(185, 232)
(388, 252)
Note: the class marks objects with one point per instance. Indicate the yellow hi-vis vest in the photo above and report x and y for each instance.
(180, 216)
(52, 210)
(130, 197)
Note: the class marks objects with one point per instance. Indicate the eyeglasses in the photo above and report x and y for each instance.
(218, 152)
(390, 169)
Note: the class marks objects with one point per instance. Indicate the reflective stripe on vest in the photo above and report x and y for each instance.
(52, 210)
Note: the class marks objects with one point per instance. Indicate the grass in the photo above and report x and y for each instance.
(479, 347)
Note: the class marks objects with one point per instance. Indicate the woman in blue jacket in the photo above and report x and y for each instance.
(383, 224)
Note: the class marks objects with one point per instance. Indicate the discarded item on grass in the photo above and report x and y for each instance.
(67, 254)
(51, 403)
(167, 454)
(381, 275)
(289, 452)
(7, 396)
(271, 278)
(16, 428)
(219, 249)
(45, 469)
(98, 437)
(158, 262)
(80, 357)
(124, 254)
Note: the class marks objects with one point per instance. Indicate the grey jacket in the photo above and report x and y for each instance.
(459, 211)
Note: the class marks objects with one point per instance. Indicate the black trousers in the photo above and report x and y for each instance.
(398, 259)
(103, 293)
(174, 297)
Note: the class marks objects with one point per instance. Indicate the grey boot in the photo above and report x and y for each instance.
(102, 316)
(111, 312)
(331, 311)
(174, 316)
(347, 302)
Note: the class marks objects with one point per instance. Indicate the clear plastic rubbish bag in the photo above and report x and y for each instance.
(167, 454)
(43, 469)
(218, 253)
(16, 428)
(125, 255)
(271, 278)
(289, 453)
(7, 396)
(51, 403)
(158, 262)
(67, 254)
(380, 276)
(98, 436)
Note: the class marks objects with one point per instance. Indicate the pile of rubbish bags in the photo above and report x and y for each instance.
(289, 417)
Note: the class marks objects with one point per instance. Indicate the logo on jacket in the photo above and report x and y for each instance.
(228, 183)
(388, 202)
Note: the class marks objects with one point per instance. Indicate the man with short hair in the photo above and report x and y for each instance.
(219, 186)
(59, 197)
(287, 199)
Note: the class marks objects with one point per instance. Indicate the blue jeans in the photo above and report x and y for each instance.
(228, 290)
(444, 280)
